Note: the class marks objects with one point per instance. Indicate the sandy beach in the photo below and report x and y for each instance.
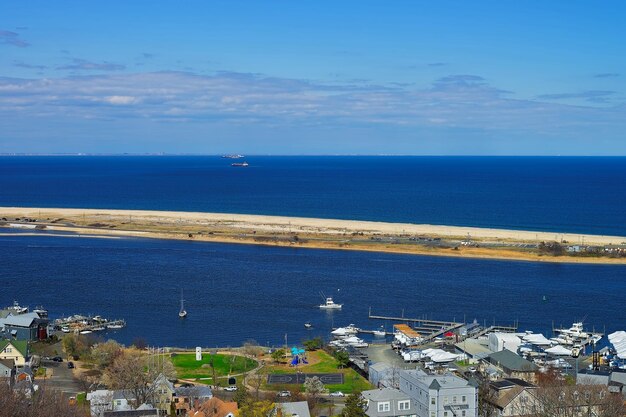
(310, 232)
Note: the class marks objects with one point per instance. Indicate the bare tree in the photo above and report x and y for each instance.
(256, 381)
(128, 372)
(43, 403)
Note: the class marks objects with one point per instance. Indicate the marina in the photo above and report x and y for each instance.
(86, 324)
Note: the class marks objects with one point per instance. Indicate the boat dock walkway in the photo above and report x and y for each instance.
(494, 329)
(429, 329)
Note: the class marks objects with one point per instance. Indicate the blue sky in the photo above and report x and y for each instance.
(335, 77)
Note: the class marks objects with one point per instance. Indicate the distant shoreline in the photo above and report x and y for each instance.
(407, 238)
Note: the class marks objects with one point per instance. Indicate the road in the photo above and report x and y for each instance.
(62, 378)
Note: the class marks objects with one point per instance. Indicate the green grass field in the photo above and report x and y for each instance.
(188, 368)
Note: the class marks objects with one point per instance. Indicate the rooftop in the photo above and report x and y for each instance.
(509, 360)
(436, 381)
(384, 394)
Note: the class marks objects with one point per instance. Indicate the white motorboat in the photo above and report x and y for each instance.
(575, 331)
(114, 326)
(85, 332)
(329, 304)
(380, 332)
(352, 329)
(65, 329)
(308, 325)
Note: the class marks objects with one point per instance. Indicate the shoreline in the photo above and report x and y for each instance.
(403, 238)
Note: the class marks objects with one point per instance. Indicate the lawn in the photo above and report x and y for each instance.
(187, 367)
(319, 362)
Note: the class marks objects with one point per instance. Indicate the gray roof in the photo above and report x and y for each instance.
(131, 413)
(7, 363)
(420, 377)
(21, 320)
(509, 360)
(379, 366)
(197, 391)
(299, 408)
(120, 394)
(618, 375)
(384, 394)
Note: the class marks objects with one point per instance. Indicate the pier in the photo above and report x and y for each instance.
(428, 329)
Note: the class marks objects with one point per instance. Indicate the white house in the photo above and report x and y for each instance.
(387, 402)
(439, 395)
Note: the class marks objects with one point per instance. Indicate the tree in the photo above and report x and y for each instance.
(313, 344)
(43, 403)
(127, 372)
(256, 409)
(342, 358)
(256, 380)
(278, 355)
(314, 388)
(241, 397)
(75, 345)
(355, 406)
(103, 354)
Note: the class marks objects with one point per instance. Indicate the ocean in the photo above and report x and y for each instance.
(236, 292)
(239, 292)
(560, 194)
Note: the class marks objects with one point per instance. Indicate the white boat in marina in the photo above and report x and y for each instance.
(114, 326)
(352, 329)
(575, 331)
(329, 304)
(85, 332)
(65, 329)
(98, 329)
(380, 332)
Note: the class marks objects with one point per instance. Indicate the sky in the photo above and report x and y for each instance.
(323, 77)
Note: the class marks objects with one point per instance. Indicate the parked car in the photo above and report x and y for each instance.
(57, 359)
(231, 388)
(337, 394)
(70, 365)
(284, 394)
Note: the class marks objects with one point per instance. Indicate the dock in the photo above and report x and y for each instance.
(428, 329)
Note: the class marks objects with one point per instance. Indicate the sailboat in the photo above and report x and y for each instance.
(182, 313)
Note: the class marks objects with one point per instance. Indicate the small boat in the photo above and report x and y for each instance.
(42, 312)
(114, 326)
(239, 164)
(329, 304)
(85, 332)
(236, 156)
(182, 313)
(98, 329)
(380, 332)
(352, 329)
(308, 325)
(65, 329)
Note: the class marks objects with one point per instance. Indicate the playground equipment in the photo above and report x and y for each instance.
(298, 356)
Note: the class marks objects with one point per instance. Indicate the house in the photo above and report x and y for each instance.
(387, 402)
(439, 395)
(186, 398)
(294, 409)
(512, 397)
(100, 401)
(513, 366)
(142, 411)
(163, 392)
(17, 350)
(27, 326)
(123, 400)
(7, 371)
(382, 375)
(214, 407)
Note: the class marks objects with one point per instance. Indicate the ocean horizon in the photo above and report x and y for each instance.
(557, 194)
